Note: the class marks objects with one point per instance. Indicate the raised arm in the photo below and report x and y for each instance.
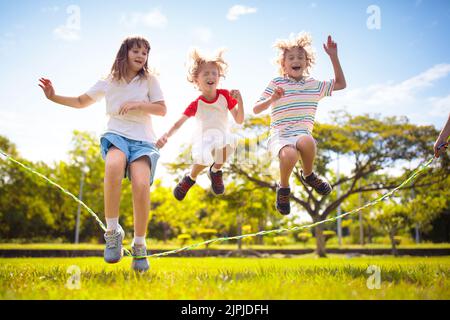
(331, 49)
(263, 105)
(177, 125)
(441, 141)
(79, 102)
(238, 113)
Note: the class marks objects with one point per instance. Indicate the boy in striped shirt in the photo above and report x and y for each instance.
(294, 97)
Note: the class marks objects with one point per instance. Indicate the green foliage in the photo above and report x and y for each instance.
(31, 208)
(184, 238)
(280, 240)
(328, 234)
(303, 237)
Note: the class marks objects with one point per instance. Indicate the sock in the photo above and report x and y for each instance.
(214, 170)
(284, 187)
(112, 224)
(306, 176)
(139, 240)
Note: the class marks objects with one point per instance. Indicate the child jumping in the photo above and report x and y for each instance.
(132, 96)
(212, 143)
(294, 97)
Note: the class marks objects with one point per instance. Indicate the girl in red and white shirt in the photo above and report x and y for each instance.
(212, 143)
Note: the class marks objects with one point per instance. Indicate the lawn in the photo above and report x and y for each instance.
(305, 277)
(225, 246)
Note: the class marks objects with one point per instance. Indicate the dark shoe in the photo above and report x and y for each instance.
(183, 187)
(216, 181)
(283, 204)
(319, 184)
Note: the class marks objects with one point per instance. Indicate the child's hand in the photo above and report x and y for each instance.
(162, 141)
(277, 94)
(330, 47)
(236, 94)
(439, 143)
(47, 87)
(128, 106)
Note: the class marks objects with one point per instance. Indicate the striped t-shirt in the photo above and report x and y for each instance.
(293, 114)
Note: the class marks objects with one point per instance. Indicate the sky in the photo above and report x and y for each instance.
(395, 57)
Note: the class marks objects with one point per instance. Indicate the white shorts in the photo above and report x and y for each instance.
(276, 143)
(203, 149)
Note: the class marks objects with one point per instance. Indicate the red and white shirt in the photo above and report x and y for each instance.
(212, 116)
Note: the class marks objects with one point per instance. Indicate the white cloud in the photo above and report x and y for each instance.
(202, 34)
(389, 99)
(440, 106)
(237, 10)
(404, 92)
(152, 19)
(71, 31)
(67, 33)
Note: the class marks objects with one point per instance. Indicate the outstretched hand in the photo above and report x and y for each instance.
(330, 47)
(162, 141)
(47, 86)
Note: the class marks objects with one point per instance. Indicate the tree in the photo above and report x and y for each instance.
(371, 144)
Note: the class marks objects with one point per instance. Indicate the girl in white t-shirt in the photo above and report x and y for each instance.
(132, 96)
(212, 143)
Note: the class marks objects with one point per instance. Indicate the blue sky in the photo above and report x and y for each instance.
(402, 68)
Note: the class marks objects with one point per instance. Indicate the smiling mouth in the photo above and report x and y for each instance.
(296, 68)
(210, 83)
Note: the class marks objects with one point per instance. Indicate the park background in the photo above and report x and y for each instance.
(371, 135)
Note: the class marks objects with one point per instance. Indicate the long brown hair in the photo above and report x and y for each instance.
(120, 66)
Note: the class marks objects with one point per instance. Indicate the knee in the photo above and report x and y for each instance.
(288, 154)
(140, 184)
(114, 166)
(306, 142)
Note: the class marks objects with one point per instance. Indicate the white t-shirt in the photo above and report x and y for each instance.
(135, 125)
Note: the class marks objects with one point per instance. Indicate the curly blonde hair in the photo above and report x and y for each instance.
(303, 40)
(197, 60)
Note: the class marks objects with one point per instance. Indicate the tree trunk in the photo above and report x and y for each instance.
(261, 224)
(320, 242)
(394, 246)
(239, 230)
(165, 232)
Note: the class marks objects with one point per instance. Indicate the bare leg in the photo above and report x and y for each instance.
(307, 148)
(140, 185)
(196, 170)
(288, 158)
(115, 163)
(221, 156)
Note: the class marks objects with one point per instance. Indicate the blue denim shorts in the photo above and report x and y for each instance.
(132, 149)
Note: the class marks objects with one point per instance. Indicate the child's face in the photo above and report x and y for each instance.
(208, 77)
(294, 63)
(137, 57)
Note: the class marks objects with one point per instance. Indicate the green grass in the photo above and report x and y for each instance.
(174, 245)
(303, 277)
